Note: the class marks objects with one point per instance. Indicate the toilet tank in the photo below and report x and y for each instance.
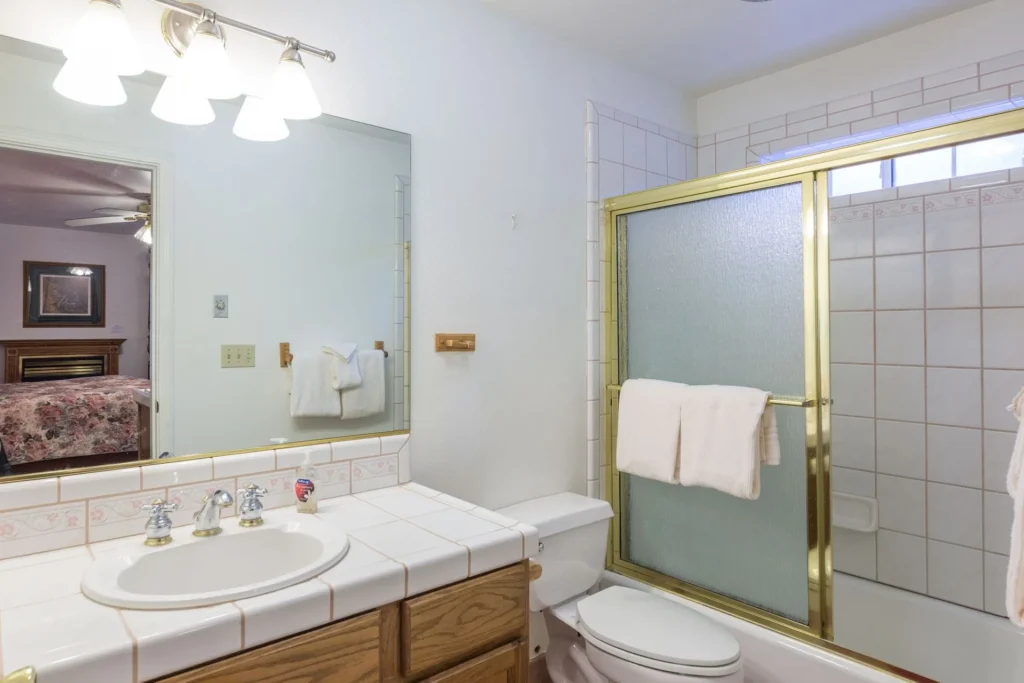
(573, 532)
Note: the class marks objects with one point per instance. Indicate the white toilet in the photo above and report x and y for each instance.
(617, 635)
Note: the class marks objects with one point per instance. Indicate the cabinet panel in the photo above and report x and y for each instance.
(497, 666)
(347, 652)
(460, 621)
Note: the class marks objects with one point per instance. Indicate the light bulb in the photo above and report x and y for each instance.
(259, 121)
(145, 234)
(207, 67)
(88, 84)
(178, 103)
(291, 92)
(103, 37)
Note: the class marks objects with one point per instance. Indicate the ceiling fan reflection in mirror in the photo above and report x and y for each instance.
(142, 215)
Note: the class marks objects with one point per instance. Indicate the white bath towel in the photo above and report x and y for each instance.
(313, 393)
(346, 365)
(725, 435)
(368, 398)
(1015, 486)
(648, 440)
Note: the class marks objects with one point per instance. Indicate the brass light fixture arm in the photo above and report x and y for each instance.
(202, 14)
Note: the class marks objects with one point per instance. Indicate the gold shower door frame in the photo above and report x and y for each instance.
(818, 536)
(812, 173)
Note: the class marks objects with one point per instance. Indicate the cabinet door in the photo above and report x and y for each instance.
(458, 622)
(502, 665)
(346, 652)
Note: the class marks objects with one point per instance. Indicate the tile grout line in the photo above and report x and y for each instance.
(135, 645)
(981, 373)
(874, 411)
(927, 459)
(234, 603)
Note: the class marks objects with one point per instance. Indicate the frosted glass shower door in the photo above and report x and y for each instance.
(713, 292)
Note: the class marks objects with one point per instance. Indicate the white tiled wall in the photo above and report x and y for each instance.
(927, 322)
(624, 154)
(965, 92)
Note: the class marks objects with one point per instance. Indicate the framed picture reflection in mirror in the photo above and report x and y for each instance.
(64, 294)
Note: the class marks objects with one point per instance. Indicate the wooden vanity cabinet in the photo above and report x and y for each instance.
(476, 631)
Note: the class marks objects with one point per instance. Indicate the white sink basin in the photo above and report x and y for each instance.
(192, 572)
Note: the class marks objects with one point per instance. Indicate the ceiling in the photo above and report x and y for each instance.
(44, 190)
(706, 45)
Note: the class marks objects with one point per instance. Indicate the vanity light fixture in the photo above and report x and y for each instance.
(260, 121)
(80, 271)
(103, 39)
(206, 65)
(80, 81)
(102, 47)
(291, 92)
(178, 102)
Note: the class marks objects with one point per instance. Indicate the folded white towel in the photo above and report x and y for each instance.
(368, 398)
(346, 365)
(648, 439)
(726, 434)
(312, 392)
(1015, 485)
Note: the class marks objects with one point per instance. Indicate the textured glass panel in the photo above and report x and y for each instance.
(715, 296)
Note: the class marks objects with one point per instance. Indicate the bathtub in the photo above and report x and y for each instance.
(932, 638)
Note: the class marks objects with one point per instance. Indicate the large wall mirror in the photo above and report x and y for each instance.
(172, 290)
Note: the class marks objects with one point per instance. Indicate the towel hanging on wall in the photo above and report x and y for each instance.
(313, 393)
(346, 365)
(368, 398)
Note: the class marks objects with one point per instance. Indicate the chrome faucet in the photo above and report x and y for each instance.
(250, 509)
(208, 518)
(158, 526)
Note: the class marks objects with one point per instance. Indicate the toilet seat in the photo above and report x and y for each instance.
(656, 633)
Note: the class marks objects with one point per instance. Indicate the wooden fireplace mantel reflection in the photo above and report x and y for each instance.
(16, 350)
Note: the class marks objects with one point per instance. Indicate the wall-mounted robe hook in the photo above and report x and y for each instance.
(513, 221)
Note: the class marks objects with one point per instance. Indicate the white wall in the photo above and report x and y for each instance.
(127, 283)
(973, 35)
(495, 110)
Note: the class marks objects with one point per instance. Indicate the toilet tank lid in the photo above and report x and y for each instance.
(561, 512)
(656, 628)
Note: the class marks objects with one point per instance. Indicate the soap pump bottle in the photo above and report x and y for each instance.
(305, 485)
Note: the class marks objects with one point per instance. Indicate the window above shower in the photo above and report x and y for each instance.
(985, 156)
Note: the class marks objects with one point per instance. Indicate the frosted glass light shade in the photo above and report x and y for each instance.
(207, 67)
(259, 121)
(291, 91)
(88, 84)
(178, 103)
(145, 234)
(103, 37)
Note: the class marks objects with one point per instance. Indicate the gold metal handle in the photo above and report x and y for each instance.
(26, 675)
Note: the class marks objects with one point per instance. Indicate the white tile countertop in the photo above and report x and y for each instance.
(404, 539)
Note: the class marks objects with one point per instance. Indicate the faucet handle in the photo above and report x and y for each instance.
(158, 526)
(250, 509)
(251, 492)
(159, 508)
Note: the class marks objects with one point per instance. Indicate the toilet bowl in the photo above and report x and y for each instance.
(618, 634)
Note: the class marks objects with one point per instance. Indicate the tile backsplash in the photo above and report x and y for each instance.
(927, 325)
(63, 511)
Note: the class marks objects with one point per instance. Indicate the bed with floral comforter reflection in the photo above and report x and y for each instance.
(68, 423)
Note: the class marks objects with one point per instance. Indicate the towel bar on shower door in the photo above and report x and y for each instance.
(792, 401)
